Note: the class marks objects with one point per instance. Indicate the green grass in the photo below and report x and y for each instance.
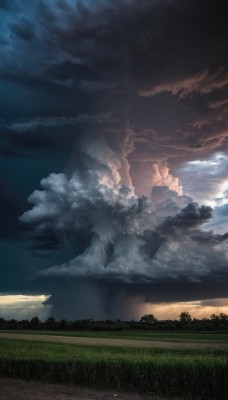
(170, 373)
(164, 337)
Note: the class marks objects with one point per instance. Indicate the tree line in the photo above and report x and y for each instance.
(149, 322)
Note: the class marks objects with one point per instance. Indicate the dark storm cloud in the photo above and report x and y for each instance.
(11, 206)
(43, 242)
(28, 141)
(18, 145)
(34, 137)
(129, 91)
(23, 29)
(69, 70)
(86, 299)
(192, 215)
(7, 4)
(50, 122)
(124, 49)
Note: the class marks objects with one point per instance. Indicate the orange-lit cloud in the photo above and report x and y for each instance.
(201, 82)
(197, 309)
(218, 104)
(148, 175)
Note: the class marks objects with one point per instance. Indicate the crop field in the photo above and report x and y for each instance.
(167, 342)
(186, 373)
(133, 335)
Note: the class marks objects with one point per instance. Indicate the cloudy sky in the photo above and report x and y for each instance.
(113, 158)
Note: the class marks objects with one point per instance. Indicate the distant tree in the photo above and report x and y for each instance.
(216, 321)
(13, 323)
(35, 323)
(223, 317)
(149, 318)
(51, 323)
(185, 317)
(3, 323)
(63, 324)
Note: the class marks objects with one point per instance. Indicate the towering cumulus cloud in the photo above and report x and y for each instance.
(93, 202)
(129, 240)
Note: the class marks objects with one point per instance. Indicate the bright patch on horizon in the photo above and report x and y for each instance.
(18, 298)
(198, 309)
(24, 306)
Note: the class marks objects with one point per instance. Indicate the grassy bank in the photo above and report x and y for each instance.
(169, 373)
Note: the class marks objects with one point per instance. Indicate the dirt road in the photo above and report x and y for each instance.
(114, 342)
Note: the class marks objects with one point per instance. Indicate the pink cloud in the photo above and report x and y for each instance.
(201, 82)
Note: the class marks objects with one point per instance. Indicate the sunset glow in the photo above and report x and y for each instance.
(197, 309)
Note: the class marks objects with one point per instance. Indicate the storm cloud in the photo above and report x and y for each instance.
(118, 110)
(131, 239)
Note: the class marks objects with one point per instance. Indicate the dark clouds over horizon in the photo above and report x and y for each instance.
(104, 103)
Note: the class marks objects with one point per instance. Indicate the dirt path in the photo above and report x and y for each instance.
(11, 389)
(113, 342)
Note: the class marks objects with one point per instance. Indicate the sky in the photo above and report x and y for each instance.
(113, 158)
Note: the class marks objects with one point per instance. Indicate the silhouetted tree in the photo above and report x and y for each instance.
(185, 317)
(51, 323)
(149, 318)
(223, 317)
(35, 323)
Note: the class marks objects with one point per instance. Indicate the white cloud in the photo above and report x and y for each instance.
(205, 179)
(24, 307)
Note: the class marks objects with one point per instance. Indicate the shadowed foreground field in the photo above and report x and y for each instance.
(200, 373)
(12, 389)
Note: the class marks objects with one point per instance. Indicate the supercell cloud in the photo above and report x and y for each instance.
(114, 126)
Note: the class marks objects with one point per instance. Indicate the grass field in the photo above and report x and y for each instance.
(125, 341)
(201, 374)
(135, 335)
